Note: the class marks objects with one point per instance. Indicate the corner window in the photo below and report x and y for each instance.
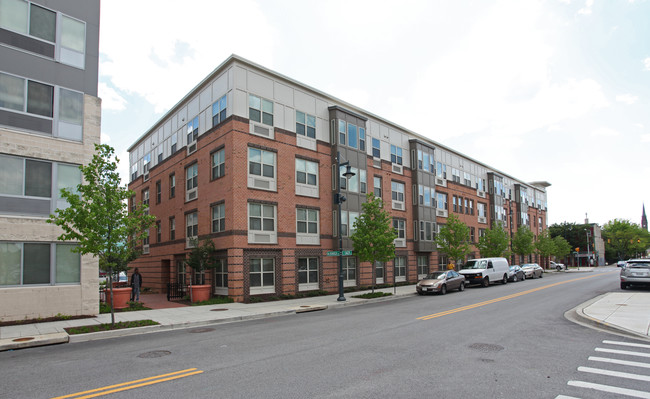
(260, 110)
(305, 124)
(218, 218)
(219, 111)
(218, 164)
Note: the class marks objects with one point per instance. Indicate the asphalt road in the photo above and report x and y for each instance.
(507, 341)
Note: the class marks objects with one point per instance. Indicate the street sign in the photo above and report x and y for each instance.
(337, 253)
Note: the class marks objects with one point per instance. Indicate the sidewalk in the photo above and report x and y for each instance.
(628, 312)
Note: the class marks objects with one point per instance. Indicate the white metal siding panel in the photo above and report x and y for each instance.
(305, 102)
(205, 99)
(220, 87)
(283, 94)
(240, 104)
(259, 85)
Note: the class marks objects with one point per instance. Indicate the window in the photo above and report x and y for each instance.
(158, 232)
(218, 163)
(400, 268)
(397, 194)
(442, 201)
(455, 203)
(218, 218)
(423, 266)
(305, 124)
(160, 154)
(426, 230)
(145, 244)
(363, 184)
(455, 175)
(471, 207)
(172, 186)
(158, 192)
(193, 130)
(425, 161)
(400, 228)
(480, 207)
(466, 202)
(376, 152)
(441, 170)
(192, 181)
(262, 275)
(307, 274)
(307, 221)
(28, 19)
(472, 236)
(306, 172)
(145, 198)
(425, 195)
(219, 111)
(261, 163)
(26, 95)
(261, 217)
(377, 186)
(146, 160)
(349, 271)
(73, 41)
(32, 263)
(192, 227)
(180, 272)
(352, 136)
(174, 142)
(172, 229)
(347, 222)
(362, 139)
(260, 110)
(460, 205)
(221, 276)
(396, 155)
(342, 133)
(467, 179)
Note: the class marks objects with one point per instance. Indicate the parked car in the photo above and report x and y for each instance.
(441, 282)
(558, 266)
(620, 263)
(485, 271)
(516, 274)
(635, 272)
(532, 270)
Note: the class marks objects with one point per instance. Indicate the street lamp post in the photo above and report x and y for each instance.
(512, 256)
(339, 200)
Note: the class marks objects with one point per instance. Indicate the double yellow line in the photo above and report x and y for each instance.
(131, 384)
(503, 298)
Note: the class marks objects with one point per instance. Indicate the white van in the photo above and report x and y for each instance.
(485, 271)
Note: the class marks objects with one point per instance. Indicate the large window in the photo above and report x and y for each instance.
(219, 111)
(397, 195)
(192, 181)
(306, 172)
(218, 163)
(262, 275)
(192, 227)
(400, 268)
(426, 230)
(307, 221)
(307, 274)
(425, 161)
(25, 95)
(32, 264)
(347, 222)
(377, 186)
(221, 276)
(260, 110)
(349, 271)
(400, 228)
(261, 217)
(305, 124)
(261, 163)
(396, 154)
(423, 266)
(426, 195)
(218, 218)
(442, 201)
(193, 130)
(376, 148)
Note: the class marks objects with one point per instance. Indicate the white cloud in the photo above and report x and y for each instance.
(586, 10)
(646, 62)
(111, 100)
(627, 98)
(105, 138)
(605, 132)
(164, 59)
(645, 138)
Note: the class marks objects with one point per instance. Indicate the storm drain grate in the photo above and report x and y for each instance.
(154, 354)
(486, 347)
(201, 330)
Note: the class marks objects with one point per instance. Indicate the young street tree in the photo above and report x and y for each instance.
(97, 216)
(453, 239)
(545, 245)
(522, 242)
(624, 239)
(562, 247)
(373, 237)
(494, 242)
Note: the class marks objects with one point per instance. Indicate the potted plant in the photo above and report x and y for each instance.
(200, 258)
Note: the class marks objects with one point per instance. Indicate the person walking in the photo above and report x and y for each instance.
(136, 284)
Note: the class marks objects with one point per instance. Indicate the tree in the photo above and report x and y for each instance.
(374, 236)
(97, 216)
(494, 242)
(624, 239)
(522, 242)
(562, 247)
(200, 258)
(453, 239)
(545, 245)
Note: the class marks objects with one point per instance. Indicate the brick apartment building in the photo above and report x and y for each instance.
(248, 160)
(49, 123)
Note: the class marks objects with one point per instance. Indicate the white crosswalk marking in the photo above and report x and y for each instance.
(620, 352)
(627, 344)
(630, 376)
(618, 361)
(611, 389)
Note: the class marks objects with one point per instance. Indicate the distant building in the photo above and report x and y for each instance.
(247, 159)
(644, 220)
(49, 123)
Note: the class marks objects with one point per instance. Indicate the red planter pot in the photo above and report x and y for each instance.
(201, 292)
(121, 297)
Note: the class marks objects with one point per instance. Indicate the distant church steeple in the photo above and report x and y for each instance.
(644, 220)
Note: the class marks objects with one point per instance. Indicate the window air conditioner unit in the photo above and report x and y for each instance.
(480, 193)
(442, 213)
(261, 130)
(192, 194)
(191, 148)
(398, 205)
(146, 176)
(482, 219)
(441, 182)
(376, 163)
(398, 169)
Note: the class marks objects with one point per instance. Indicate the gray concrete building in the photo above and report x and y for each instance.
(49, 123)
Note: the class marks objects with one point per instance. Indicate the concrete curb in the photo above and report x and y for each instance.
(578, 316)
(37, 340)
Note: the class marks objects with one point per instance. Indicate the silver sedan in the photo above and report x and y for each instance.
(532, 270)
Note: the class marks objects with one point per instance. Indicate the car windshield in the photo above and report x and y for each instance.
(513, 267)
(643, 265)
(475, 264)
(528, 265)
(435, 276)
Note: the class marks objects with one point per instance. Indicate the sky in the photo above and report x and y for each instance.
(555, 91)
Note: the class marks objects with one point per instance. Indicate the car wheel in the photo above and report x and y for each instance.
(558, 268)
(514, 278)
(523, 277)
(623, 286)
(485, 282)
(443, 289)
(541, 274)
(461, 287)
(420, 293)
(504, 280)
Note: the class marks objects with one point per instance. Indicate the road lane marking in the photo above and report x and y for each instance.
(611, 373)
(129, 385)
(611, 389)
(503, 298)
(626, 344)
(620, 352)
(618, 361)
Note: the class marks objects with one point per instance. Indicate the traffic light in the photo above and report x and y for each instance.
(577, 249)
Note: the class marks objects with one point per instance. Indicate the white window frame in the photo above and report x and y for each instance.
(397, 196)
(307, 270)
(218, 163)
(219, 217)
(349, 271)
(260, 181)
(191, 181)
(307, 169)
(262, 235)
(308, 218)
(262, 288)
(423, 266)
(220, 280)
(191, 228)
(399, 263)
